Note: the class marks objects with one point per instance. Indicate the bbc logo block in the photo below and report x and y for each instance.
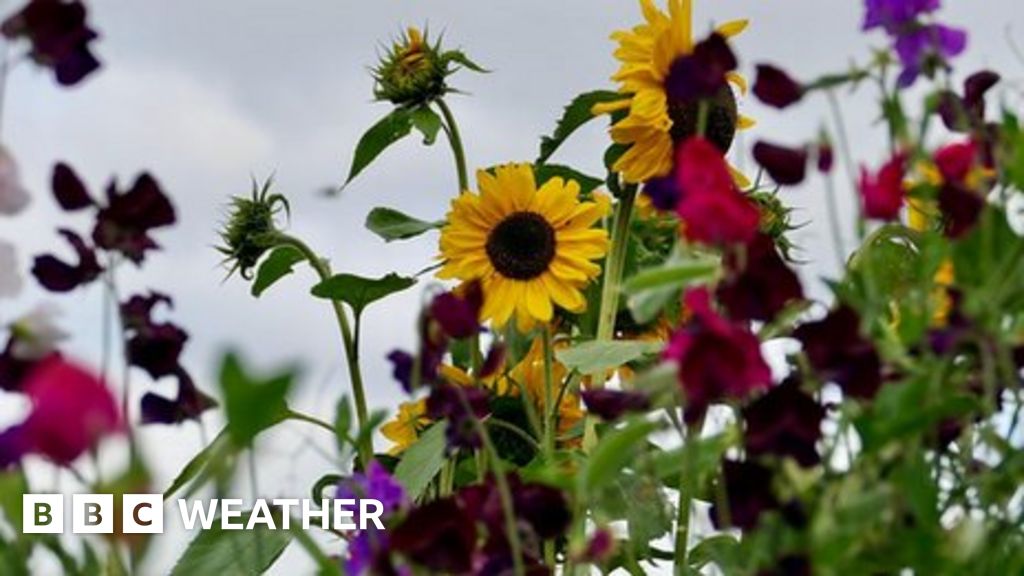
(93, 514)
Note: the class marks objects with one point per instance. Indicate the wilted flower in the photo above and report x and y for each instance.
(776, 88)
(784, 422)
(10, 279)
(786, 166)
(712, 209)
(251, 230)
(59, 276)
(13, 196)
(71, 411)
(883, 194)
(758, 283)
(838, 351)
(717, 359)
(59, 36)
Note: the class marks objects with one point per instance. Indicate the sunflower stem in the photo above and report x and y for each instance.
(452, 130)
(614, 266)
(549, 389)
(349, 343)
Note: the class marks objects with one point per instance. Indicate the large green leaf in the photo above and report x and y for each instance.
(388, 130)
(232, 552)
(595, 357)
(359, 292)
(422, 461)
(390, 224)
(251, 403)
(576, 114)
(276, 266)
(615, 450)
(649, 291)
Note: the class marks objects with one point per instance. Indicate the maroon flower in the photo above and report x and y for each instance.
(758, 283)
(839, 353)
(717, 359)
(786, 166)
(153, 346)
(961, 208)
(458, 312)
(189, 403)
(784, 422)
(712, 209)
(826, 157)
(124, 224)
(776, 88)
(883, 193)
(961, 114)
(58, 276)
(460, 406)
(71, 411)
(613, 404)
(69, 190)
(59, 36)
(701, 73)
(748, 486)
(439, 536)
(955, 161)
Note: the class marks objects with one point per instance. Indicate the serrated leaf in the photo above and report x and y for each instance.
(388, 130)
(595, 357)
(276, 266)
(251, 403)
(391, 224)
(359, 292)
(427, 122)
(232, 552)
(422, 461)
(545, 172)
(576, 114)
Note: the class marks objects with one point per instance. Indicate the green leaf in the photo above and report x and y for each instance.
(576, 114)
(199, 464)
(343, 423)
(676, 273)
(232, 552)
(460, 58)
(545, 172)
(615, 450)
(388, 130)
(422, 461)
(427, 122)
(359, 292)
(390, 224)
(276, 266)
(252, 404)
(598, 356)
(723, 551)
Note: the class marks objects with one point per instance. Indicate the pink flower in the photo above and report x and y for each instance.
(883, 194)
(717, 359)
(71, 411)
(713, 210)
(955, 161)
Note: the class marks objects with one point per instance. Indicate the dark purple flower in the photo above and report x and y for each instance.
(787, 166)
(784, 422)
(458, 311)
(895, 15)
(758, 283)
(600, 547)
(613, 404)
(776, 88)
(717, 358)
(701, 73)
(927, 48)
(59, 36)
(748, 486)
(544, 508)
(153, 346)
(124, 224)
(460, 406)
(69, 190)
(438, 535)
(961, 207)
(493, 361)
(663, 192)
(966, 113)
(402, 365)
(838, 352)
(188, 404)
(58, 276)
(826, 157)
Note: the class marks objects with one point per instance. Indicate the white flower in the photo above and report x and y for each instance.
(10, 280)
(13, 197)
(36, 334)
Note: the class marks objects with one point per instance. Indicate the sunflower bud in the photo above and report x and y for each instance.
(251, 229)
(414, 71)
(775, 219)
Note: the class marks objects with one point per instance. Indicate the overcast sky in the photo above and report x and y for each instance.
(206, 94)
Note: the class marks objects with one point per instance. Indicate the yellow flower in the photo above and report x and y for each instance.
(529, 374)
(654, 125)
(530, 248)
(404, 428)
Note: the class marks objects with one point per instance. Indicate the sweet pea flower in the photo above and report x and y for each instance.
(882, 194)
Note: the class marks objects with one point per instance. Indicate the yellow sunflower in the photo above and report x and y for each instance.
(404, 428)
(654, 124)
(531, 248)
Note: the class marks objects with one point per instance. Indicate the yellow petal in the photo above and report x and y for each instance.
(732, 28)
(739, 81)
(538, 302)
(610, 107)
(745, 122)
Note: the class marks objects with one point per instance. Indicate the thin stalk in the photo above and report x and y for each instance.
(452, 130)
(614, 265)
(323, 270)
(549, 398)
(687, 480)
(832, 201)
(844, 149)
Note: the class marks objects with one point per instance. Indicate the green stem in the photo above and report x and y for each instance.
(614, 266)
(549, 397)
(323, 270)
(687, 480)
(452, 130)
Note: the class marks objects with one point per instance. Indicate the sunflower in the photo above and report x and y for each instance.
(530, 248)
(654, 124)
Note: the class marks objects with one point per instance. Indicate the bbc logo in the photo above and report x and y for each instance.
(93, 514)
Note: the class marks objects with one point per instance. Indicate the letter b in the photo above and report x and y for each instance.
(92, 513)
(43, 513)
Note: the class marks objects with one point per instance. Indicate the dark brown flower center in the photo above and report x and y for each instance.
(721, 123)
(522, 246)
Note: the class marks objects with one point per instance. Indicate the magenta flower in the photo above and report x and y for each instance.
(882, 194)
(712, 209)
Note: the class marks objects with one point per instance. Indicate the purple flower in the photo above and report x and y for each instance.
(188, 404)
(758, 283)
(748, 486)
(663, 192)
(784, 422)
(376, 484)
(613, 404)
(68, 189)
(776, 88)
(894, 15)
(402, 364)
(926, 48)
(838, 352)
(59, 36)
(124, 224)
(700, 74)
(58, 276)
(786, 166)
(154, 347)
(458, 312)
(451, 402)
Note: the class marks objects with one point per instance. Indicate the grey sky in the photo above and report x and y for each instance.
(206, 94)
